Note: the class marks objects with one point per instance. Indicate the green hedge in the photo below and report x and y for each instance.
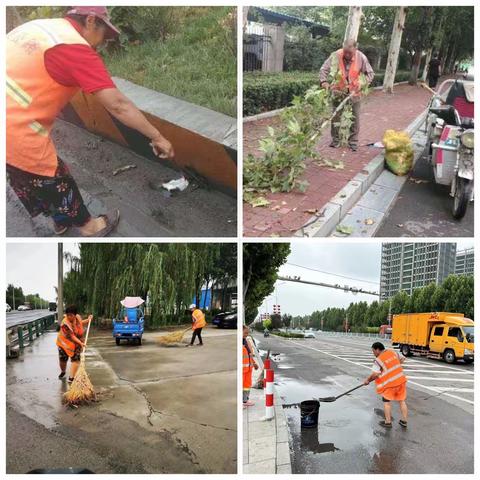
(290, 335)
(263, 92)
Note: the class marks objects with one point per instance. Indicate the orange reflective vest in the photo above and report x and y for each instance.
(392, 372)
(247, 368)
(350, 81)
(34, 98)
(65, 343)
(198, 319)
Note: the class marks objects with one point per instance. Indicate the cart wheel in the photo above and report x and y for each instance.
(117, 341)
(462, 196)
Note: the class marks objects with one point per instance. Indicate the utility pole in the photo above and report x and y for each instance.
(60, 283)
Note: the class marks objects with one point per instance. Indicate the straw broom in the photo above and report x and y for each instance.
(174, 337)
(81, 390)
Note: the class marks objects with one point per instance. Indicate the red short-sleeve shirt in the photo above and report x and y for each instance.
(78, 66)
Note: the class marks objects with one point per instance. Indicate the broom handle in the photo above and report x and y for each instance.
(86, 336)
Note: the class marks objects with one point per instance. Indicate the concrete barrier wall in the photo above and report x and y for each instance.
(205, 141)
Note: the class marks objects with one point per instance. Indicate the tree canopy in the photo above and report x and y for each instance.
(455, 294)
(170, 274)
(261, 262)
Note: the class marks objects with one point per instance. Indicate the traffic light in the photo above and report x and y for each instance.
(276, 309)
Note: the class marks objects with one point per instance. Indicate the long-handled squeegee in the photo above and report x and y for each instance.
(332, 399)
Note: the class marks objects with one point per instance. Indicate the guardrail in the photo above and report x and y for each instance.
(21, 335)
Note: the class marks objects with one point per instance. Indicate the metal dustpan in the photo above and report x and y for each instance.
(332, 399)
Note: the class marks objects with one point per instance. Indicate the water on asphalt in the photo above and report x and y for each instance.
(154, 398)
(348, 438)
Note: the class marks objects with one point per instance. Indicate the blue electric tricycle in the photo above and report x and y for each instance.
(130, 322)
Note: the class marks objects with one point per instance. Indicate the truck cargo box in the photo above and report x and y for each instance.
(415, 328)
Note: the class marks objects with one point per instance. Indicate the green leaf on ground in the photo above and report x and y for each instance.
(344, 229)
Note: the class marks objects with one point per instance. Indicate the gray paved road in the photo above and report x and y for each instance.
(348, 438)
(424, 209)
(17, 318)
(160, 409)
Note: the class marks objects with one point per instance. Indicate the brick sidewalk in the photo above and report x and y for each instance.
(287, 212)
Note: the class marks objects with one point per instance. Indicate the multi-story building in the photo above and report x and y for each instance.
(407, 266)
(464, 262)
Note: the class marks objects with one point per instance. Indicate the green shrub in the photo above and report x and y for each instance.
(263, 92)
(289, 335)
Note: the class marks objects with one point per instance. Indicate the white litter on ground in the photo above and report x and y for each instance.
(177, 184)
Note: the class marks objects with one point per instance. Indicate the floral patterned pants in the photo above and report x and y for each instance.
(57, 197)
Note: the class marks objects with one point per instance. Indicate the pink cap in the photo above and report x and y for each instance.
(100, 12)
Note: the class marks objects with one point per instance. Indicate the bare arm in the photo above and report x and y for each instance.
(126, 112)
(371, 377)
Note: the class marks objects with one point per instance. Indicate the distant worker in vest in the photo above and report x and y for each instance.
(391, 382)
(198, 322)
(345, 73)
(47, 63)
(247, 368)
(70, 341)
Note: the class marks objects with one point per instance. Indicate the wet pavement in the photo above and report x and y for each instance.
(146, 209)
(434, 218)
(159, 410)
(348, 438)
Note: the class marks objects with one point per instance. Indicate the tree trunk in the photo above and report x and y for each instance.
(245, 17)
(417, 59)
(394, 50)
(353, 24)
(427, 61)
(246, 281)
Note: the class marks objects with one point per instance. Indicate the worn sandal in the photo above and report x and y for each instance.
(383, 423)
(403, 423)
(59, 229)
(111, 220)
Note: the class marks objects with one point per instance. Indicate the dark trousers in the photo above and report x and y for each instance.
(197, 333)
(355, 128)
(432, 82)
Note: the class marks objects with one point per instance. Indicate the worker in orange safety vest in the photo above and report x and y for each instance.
(198, 322)
(346, 72)
(391, 382)
(248, 364)
(70, 341)
(47, 62)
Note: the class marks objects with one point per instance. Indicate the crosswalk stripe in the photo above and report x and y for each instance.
(443, 379)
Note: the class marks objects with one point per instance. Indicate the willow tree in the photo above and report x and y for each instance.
(169, 275)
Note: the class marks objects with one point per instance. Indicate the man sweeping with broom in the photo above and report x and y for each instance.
(70, 341)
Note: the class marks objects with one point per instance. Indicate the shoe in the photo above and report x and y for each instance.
(383, 423)
(70, 379)
(334, 144)
(111, 221)
(62, 374)
(353, 147)
(403, 423)
(59, 229)
(188, 345)
(200, 344)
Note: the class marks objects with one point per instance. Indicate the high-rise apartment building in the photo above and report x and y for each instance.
(464, 263)
(407, 266)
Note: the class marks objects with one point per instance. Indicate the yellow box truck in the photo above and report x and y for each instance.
(434, 335)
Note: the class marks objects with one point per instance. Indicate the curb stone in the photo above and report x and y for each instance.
(345, 202)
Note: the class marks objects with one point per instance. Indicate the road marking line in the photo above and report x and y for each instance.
(413, 383)
(443, 379)
(454, 389)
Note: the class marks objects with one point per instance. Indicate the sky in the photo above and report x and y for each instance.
(360, 261)
(33, 266)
